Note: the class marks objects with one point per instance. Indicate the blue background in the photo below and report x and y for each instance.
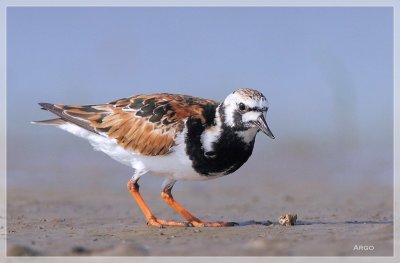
(327, 73)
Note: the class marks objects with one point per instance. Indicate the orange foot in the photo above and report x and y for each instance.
(163, 223)
(212, 224)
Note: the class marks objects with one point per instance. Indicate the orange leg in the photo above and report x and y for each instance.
(194, 221)
(133, 188)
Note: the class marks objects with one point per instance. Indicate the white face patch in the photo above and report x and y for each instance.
(252, 100)
(232, 102)
(251, 116)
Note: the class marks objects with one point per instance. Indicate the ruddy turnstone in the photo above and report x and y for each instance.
(179, 137)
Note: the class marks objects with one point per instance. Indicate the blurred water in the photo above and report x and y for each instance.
(327, 72)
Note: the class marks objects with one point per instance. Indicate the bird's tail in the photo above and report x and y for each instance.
(49, 107)
(57, 121)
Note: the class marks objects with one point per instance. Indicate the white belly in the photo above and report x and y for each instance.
(175, 165)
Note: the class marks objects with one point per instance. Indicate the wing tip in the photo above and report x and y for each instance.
(45, 105)
(50, 122)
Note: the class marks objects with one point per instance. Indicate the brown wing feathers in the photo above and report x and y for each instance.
(147, 124)
(137, 134)
(62, 111)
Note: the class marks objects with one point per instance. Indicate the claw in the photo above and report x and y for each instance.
(161, 223)
(213, 224)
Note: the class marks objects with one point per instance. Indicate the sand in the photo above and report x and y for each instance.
(80, 207)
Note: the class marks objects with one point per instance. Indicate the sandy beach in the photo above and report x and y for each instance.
(58, 206)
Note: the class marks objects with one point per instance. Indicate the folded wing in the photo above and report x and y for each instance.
(147, 124)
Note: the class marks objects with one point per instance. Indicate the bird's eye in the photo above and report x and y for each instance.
(242, 107)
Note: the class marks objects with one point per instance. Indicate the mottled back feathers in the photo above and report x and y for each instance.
(147, 124)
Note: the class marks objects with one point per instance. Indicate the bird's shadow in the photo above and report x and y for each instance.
(301, 222)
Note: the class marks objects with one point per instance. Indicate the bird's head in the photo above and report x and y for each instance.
(244, 112)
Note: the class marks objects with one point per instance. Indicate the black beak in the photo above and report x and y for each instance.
(261, 123)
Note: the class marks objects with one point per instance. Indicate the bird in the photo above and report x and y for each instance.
(179, 137)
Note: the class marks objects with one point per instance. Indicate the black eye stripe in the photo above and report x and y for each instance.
(258, 109)
(242, 107)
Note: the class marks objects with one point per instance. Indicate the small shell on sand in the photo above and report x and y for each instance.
(288, 219)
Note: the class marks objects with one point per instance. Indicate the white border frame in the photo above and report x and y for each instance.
(210, 3)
